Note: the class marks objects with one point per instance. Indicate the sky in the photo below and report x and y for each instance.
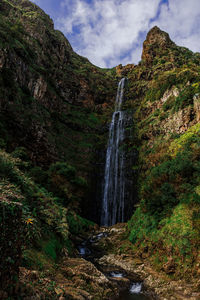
(111, 32)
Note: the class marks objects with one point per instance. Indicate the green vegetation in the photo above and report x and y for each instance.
(47, 222)
(54, 104)
(55, 108)
(165, 225)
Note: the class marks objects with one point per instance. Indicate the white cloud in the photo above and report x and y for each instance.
(108, 29)
(109, 32)
(181, 19)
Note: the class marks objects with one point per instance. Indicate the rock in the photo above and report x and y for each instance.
(122, 71)
(155, 40)
(197, 106)
(88, 281)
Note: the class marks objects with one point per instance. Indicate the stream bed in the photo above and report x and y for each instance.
(133, 291)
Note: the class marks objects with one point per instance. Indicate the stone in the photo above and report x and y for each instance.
(155, 39)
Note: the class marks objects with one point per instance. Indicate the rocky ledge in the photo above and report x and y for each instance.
(91, 277)
(157, 285)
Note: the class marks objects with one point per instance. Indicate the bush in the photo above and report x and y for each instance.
(184, 99)
(78, 224)
(39, 175)
(62, 168)
(161, 189)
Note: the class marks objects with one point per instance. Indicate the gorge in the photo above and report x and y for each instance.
(63, 132)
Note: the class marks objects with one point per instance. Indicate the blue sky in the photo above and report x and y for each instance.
(110, 32)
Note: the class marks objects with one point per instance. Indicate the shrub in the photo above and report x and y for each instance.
(77, 224)
(62, 168)
(184, 99)
(161, 189)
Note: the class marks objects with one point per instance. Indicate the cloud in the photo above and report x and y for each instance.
(110, 32)
(181, 19)
(107, 31)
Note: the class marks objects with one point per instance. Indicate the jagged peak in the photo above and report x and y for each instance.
(156, 38)
(156, 35)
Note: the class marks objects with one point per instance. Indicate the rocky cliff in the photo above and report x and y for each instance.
(46, 87)
(54, 107)
(164, 95)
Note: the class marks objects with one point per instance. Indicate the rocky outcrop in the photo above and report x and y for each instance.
(196, 99)
(155, 284)
(156, 41)
(122, 71)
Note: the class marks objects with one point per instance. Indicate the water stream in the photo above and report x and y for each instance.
(114, 178)
(135, 289)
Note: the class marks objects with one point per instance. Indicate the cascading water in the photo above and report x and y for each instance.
(114, 179)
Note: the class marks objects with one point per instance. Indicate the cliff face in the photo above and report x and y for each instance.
(44, 84)
(164, 95)
(54, 107)
(53, 103)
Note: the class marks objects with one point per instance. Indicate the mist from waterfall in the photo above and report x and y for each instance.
(114, 178)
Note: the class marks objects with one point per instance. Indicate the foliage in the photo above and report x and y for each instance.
(159, 86)
(78, 224)
(47, 222)
(174, 237)
(191, 139)
(167, 218)
(163, 189)
(185, 98)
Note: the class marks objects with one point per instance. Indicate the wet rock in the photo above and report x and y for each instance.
(87, 279)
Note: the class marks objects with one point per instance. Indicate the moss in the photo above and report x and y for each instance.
(77, 224)
(36, 259)
(52, 247)
(190, 137)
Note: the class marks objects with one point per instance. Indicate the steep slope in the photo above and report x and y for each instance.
(54, 107)
(53, 102)
(164, 93)
(47, 90)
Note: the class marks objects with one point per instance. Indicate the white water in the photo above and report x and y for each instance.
(84, 250)
(114, 180)
(136, 288)
(116, 275)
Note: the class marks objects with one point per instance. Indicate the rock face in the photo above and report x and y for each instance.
(164, 96)
(156, 39)
(43, 81)
(52, 100)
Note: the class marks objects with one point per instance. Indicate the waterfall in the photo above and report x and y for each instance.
(114, 178)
